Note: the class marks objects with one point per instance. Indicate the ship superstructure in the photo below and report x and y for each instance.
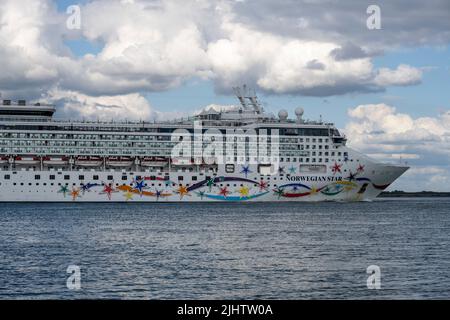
(43, 159)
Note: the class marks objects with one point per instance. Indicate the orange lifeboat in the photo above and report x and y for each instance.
(90, 162)
(55, 161)
(26, 161)
(119, 162)
(154, 162)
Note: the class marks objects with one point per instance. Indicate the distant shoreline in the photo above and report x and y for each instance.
(427, 194)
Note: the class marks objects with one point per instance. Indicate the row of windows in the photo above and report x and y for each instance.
(125, 178)
(146, 185)
(81, 137)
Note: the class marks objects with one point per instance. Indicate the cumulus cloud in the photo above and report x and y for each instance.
(218, 108)
(158, 45)
(404, 22)
(106, 108)
(348, 51)
(404, 75)
(387, 135)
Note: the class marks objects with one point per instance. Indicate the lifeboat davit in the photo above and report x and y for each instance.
(90, 162)
(119, 162)
(55, 161)
(26, 160)
(154, 162)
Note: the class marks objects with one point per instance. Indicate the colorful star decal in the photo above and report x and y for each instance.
(351, 176)
(292, 170)
(244, 191)
(140, 186)
(108, 190)
(313, 190)
(87, 187)
(64, 190)
(281, 170)
(246, 170)
(182, 191)
(262, 185)
(210, 183)
(360, 168)
(201, 194)
(224, 191)
(158, 194)
(336, 168)
(128, 196)
(75, 193)
(279, 192)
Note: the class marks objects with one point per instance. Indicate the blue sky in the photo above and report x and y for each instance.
(428, 98)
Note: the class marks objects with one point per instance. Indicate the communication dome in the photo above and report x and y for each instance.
(283, 114)
(299, 112)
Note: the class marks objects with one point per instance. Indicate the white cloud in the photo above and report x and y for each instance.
(402, 76)
(218, 108)
(157, 45)
(106, 108)
(387, 135)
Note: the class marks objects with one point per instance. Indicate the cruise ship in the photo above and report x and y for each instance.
(238, 154)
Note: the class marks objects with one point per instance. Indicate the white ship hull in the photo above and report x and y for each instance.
(206, 158)
(97, 186)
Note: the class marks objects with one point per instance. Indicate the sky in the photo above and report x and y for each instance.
(386, 85)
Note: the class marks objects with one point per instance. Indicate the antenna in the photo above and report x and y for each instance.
(240, 96)
(250, 95)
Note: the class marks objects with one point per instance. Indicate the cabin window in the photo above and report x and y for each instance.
(7, 177)
(52, 177)
(229, 168)
(66, 177)
(264, 169)
(180, 178)
(80, 177)
(194, 178)
(110, 178)
(124, 178)
(37, 177)
(95, 177)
